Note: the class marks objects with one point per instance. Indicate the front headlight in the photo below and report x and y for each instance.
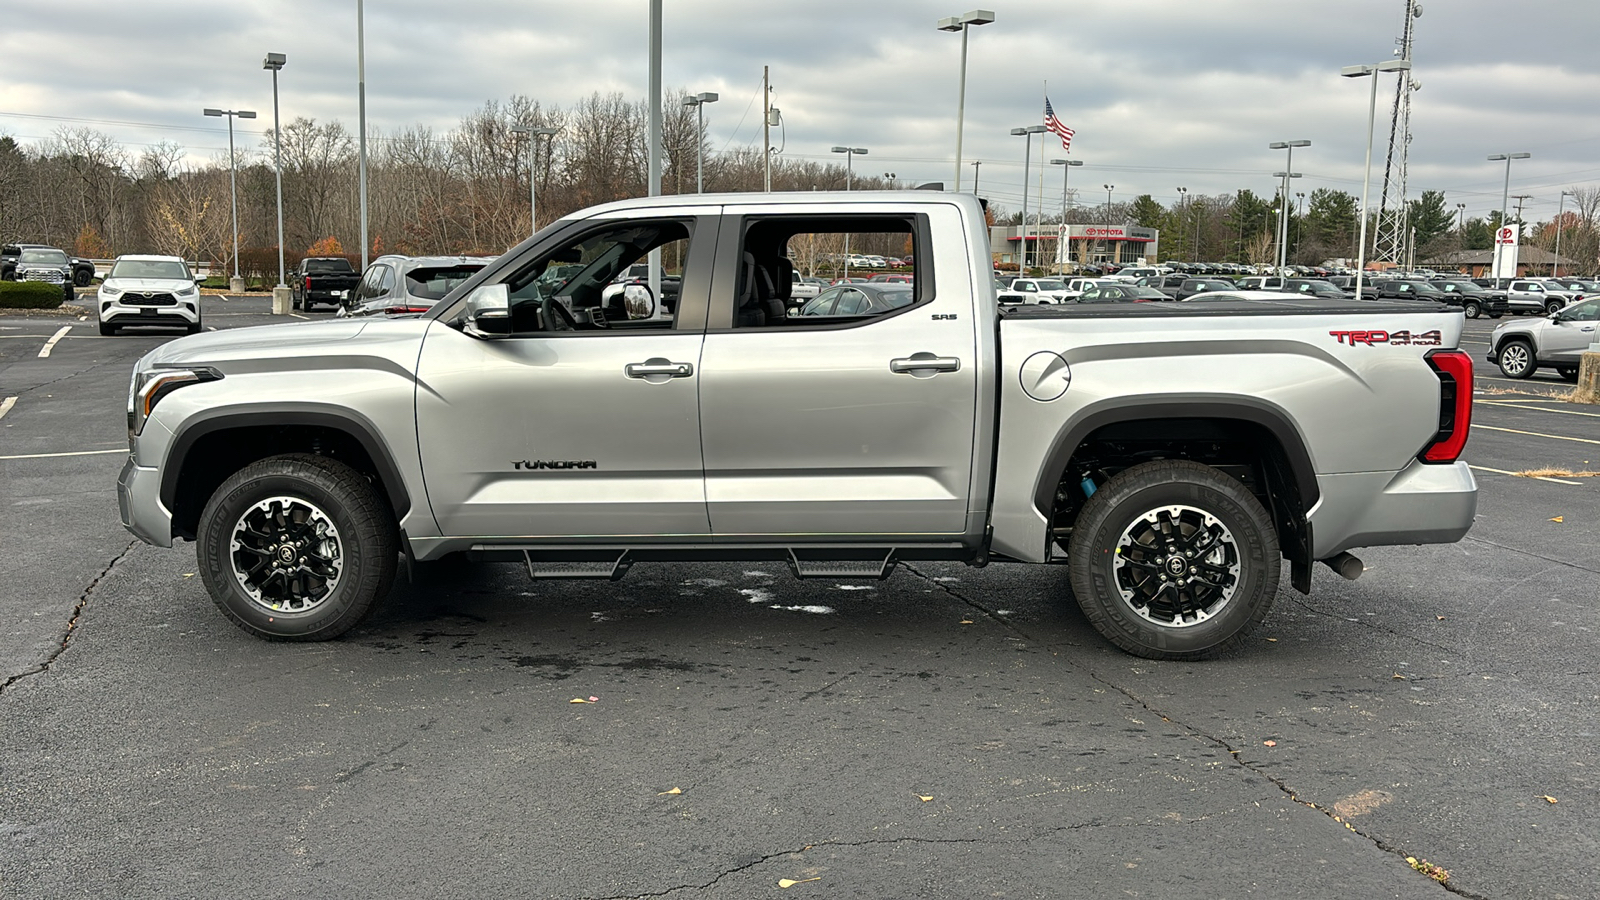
(189, 291)
(148, 387)
(109, 292)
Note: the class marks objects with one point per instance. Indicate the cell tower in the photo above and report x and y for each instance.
(1394, 229)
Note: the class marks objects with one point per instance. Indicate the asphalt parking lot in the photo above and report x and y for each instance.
(950, 732)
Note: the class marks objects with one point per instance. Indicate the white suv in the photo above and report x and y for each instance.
(148, 290)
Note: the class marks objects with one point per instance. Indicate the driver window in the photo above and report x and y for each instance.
(594, 284)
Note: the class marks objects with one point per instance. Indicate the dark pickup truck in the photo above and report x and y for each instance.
(1411, 289)
(323, 279)
(82, 269)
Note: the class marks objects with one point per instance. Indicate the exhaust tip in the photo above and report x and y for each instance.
(1347, 565)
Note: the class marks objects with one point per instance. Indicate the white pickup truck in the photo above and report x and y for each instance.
(1173, 456)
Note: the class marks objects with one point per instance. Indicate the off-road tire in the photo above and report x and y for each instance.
(194, 327)
(1473, 309)
(367, 545)
(107, 330)
(1552, 307)
(1118, 507)
(1516, 359)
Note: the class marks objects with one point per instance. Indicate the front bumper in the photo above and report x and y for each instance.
(1423, 503)
(139, 504)
(183, 312)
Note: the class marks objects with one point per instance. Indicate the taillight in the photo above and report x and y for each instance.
(308, 282)
(1454, 368)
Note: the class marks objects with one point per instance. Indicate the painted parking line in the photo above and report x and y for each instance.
(122, 450)
(5, 406)
(1520, 404)
(1554, 437)
(1535, 477)
(298, 316)
(49, 345)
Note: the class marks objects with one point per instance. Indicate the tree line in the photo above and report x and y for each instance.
(465, 190)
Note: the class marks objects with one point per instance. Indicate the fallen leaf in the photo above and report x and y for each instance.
(1269, 743)
(966, 621)
(925, 798)
(1550, 799)
(188, 574)
(673, 791)
(1272, 640)
(577, 700)
(1558, 519)
(593, 699)
(1440, 618)
(790, 882)
(1397, 677)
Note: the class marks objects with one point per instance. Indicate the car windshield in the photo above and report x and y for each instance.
(433, 282)
(329, 267)
(43, 257)
(1047, 285)
(1422, 287)
(896, 297)
(149, 268)
(1213, 286)
(1141, 292)
(1317, 285)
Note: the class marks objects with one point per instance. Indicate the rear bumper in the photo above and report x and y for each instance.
(139, 504)
(1421, 504)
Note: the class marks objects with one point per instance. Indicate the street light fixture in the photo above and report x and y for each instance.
(1027, 138)
(1106, 237)
(1283, 215)
(850, 153)
(1461, 219)
(962, 23)
(1505, 203)
(275, 61)
(699, 101)
(1560, 209)
(533, 198)
(233, 182)
(1066, 169)
(1364, 71)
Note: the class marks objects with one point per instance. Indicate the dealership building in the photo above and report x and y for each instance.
(1055, 245)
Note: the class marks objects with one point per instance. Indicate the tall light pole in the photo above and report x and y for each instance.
(1066, 169)
(1560, 209)
(1282, 227)
(1106, 236)
(961, 23)
(1364, 71)
(1461, 220)
(361, 125)
(1027, 148)
(1505, 203)
(1283, 216)
(275, 61)
(699, 101)
(850, 153)
(533, 185)
(233, 183)
(1183, 203)
(1299, 215)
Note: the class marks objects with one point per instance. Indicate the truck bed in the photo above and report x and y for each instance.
(1200, 309)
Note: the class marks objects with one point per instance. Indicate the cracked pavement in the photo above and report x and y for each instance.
(152, 749)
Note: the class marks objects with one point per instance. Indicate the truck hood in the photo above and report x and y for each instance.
(289, 347)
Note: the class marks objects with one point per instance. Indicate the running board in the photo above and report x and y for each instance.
(605, 565)
(842, 568)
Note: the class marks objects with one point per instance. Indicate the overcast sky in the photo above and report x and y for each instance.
(1161, 92)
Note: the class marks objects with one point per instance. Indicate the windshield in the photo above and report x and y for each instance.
(43, 257)
(433, 282)
(1047, 285)
(1142, 292)
(329, 267)
(1317, 285)
(149, 268)
(1422, 287)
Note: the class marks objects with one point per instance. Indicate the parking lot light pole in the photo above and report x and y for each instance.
(1283, 215)
(1183, 203)
(850, 154)
(275, 61)
(699, 101)
(1392, 65)
(361, 126)
(1105, 236)
(533, 185)
(962, 23)
(1066, 169)
(1560, 208)
(237, 285)
(1027, 149)
(1505, 200)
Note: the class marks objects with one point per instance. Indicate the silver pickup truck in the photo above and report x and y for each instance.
(1171, 455)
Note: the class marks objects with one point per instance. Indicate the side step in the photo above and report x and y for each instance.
(842, 568)
(604, 564)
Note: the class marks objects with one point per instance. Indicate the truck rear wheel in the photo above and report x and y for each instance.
(297, 548)
(1174, 560)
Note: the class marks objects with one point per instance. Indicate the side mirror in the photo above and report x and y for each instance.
(199, 279)
(489, 311)
(639, 302)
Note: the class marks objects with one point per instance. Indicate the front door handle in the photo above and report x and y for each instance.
(658, 370)
(924, 365)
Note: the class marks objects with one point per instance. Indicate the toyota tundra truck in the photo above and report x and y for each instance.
(1171, 456)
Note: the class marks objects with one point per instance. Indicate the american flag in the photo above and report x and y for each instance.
(1054, 125)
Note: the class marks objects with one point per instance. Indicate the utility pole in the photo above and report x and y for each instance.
(975, 164)
(766, 127)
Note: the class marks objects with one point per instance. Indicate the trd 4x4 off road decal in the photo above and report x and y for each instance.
(1392, 338)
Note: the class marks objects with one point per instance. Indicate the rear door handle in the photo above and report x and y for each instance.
(658, 370)
(924, 365)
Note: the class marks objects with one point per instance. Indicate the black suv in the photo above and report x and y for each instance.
(1474, 299)
(82, 269)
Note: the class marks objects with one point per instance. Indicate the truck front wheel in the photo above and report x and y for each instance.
(297, 548)
(1174, 560)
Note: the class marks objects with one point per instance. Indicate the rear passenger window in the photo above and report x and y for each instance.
(845, 250)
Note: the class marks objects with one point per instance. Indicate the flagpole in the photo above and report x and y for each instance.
(1039, 215)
